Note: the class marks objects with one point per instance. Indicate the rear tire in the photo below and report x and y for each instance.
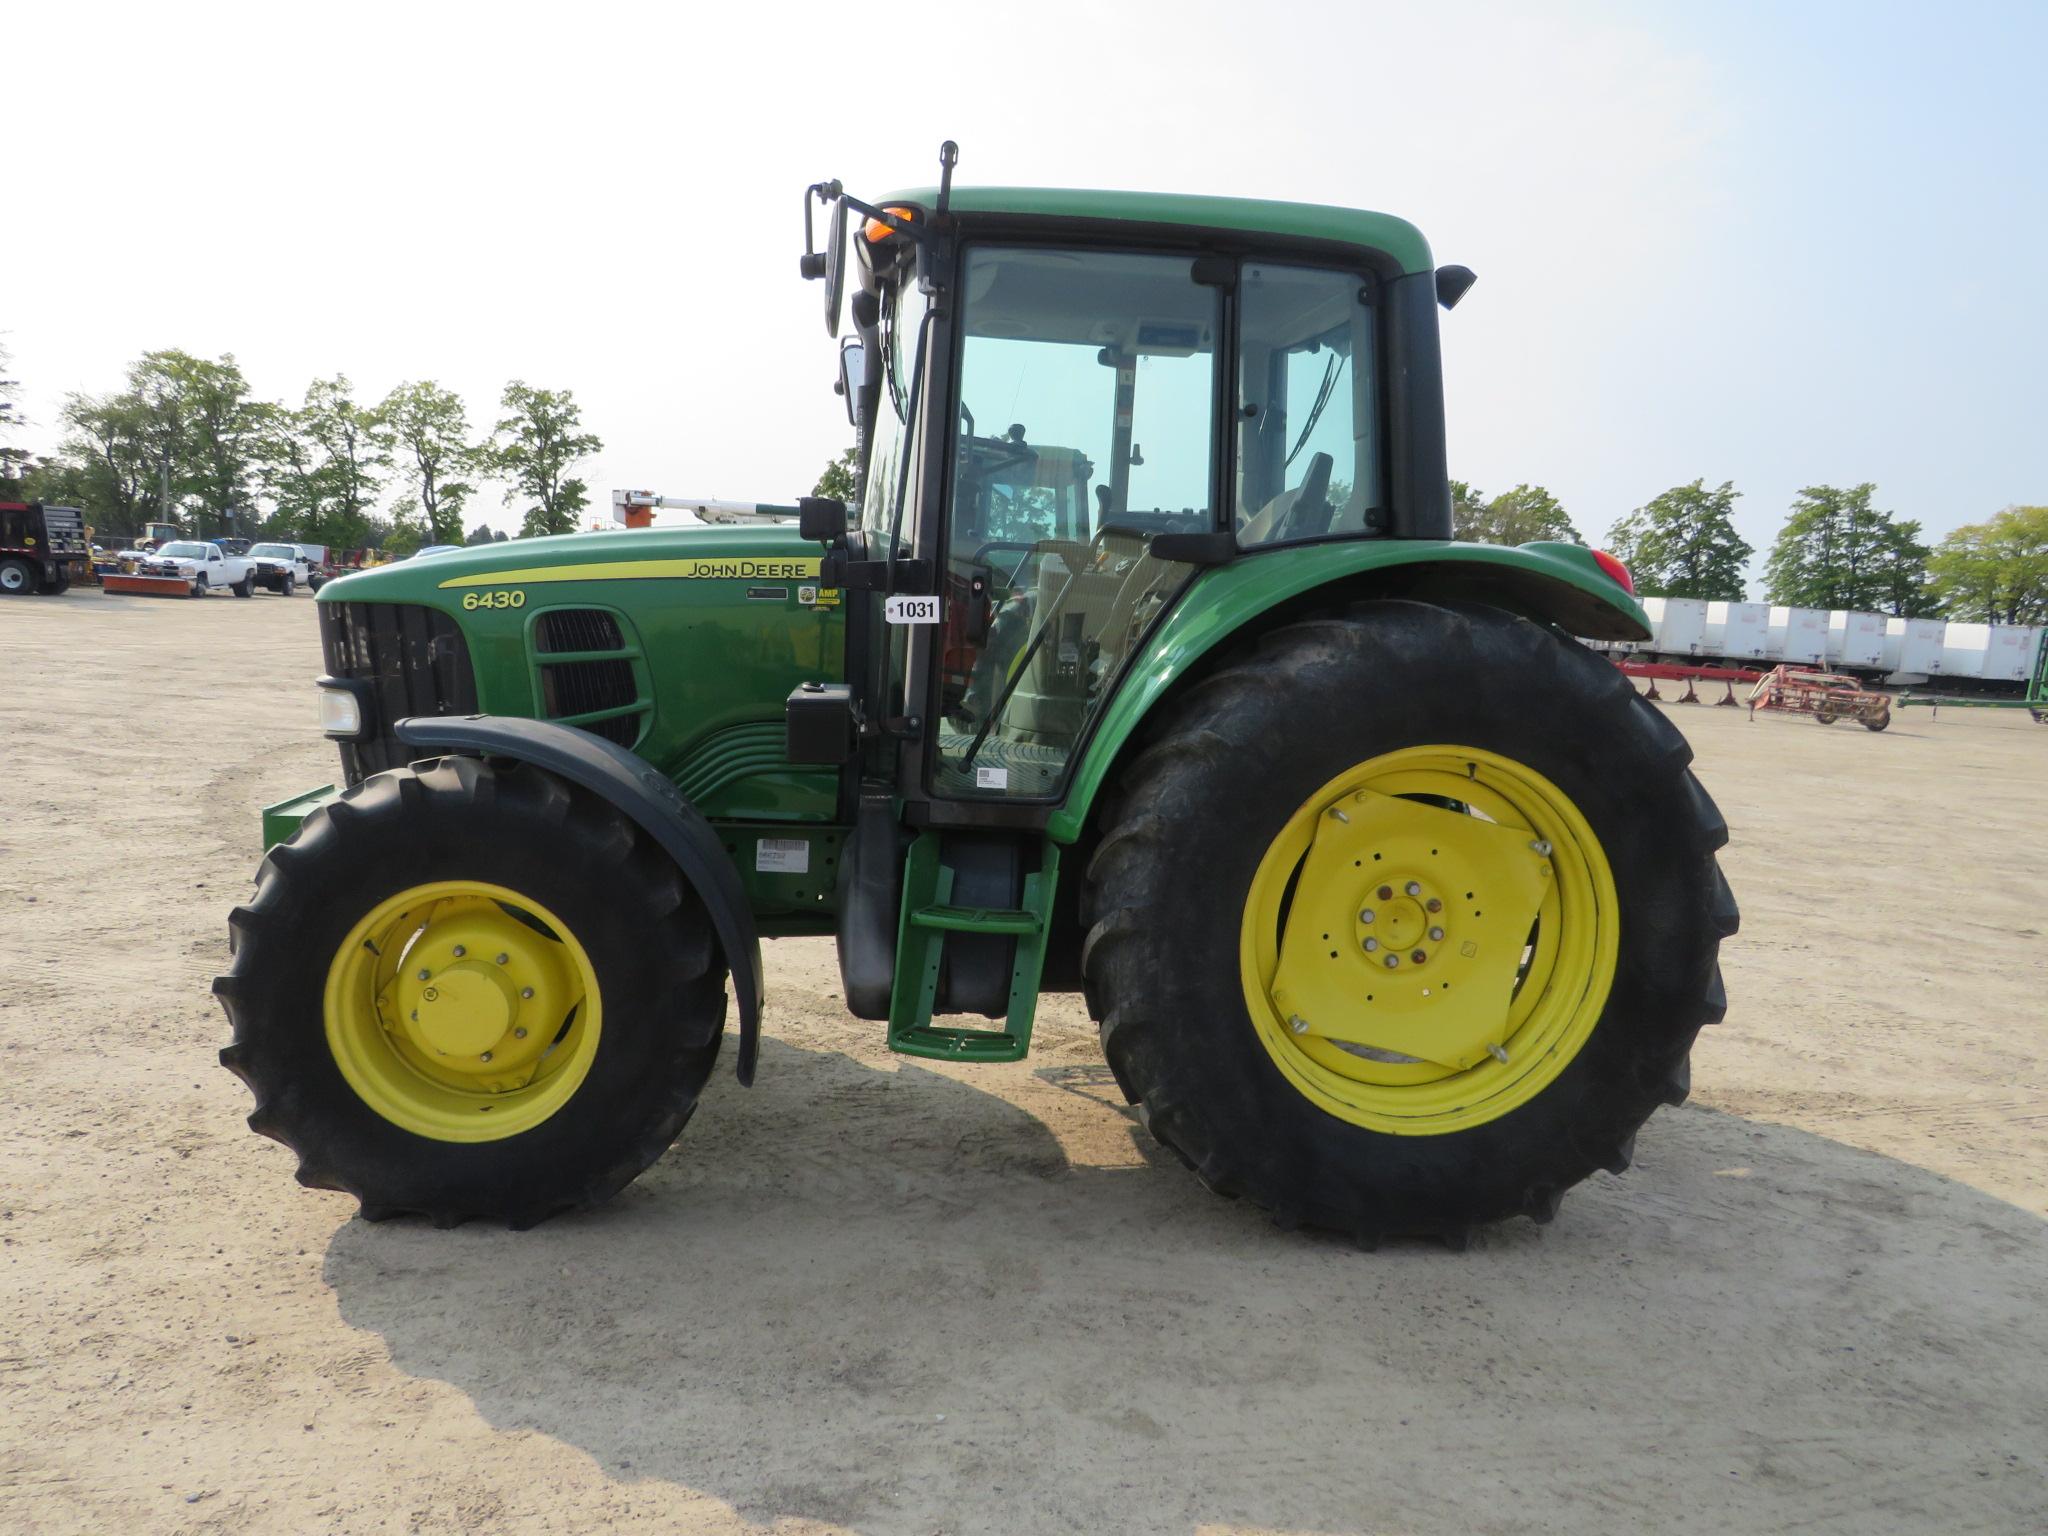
(1198, 810)
(659, 981)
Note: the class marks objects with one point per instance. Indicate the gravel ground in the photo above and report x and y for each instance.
(873, 1295)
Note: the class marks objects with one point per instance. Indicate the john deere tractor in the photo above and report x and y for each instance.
(1143, 665)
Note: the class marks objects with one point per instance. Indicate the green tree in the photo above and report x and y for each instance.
(480, 534)
(838, 478)
(104, 439)
(1683, 543)
(1995, 571)
(1838, 551)
(348, 449)
(537, 440)
(430, 430)
(1526, 513)
(14, 459)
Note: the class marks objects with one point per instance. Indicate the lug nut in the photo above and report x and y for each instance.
(519, 1034)
(1433, 905)
(425, 973)
(1367, 915)
(1542, 848)
(485, 1057)
(1298, 1024)
(1393, 962)
(503, 958)
(526, 992)
(1419, 956)
(1386, 893)
(1414, 888)
(1436, 935)
(1339, 814)
(1371, 945)
(460, 951)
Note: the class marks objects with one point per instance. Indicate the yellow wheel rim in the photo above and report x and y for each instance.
(1485, 888)
(462, 1011)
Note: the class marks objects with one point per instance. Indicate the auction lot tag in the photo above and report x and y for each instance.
(911, 610)
(782, 856)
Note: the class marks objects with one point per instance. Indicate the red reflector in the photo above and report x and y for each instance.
(1617, 570)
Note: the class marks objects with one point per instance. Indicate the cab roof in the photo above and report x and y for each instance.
(1310, 221)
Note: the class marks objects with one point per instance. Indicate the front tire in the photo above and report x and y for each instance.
(1265, 1054)
(570, 1009)
(17, 578)
(246, 587)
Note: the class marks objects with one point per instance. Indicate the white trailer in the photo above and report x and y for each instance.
(1855, 639)
(2009, 657)
(1965, 649)
(1798, 636)
(1912, 648)
(1678, 625)
(1737, 631)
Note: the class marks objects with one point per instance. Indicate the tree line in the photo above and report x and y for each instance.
(185, 441)
(1836, 549)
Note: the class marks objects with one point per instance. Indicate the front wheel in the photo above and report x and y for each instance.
(464, 990)
(290, 586)
(246, 587)
(1453, 942)
(17, 578)
(199, 586)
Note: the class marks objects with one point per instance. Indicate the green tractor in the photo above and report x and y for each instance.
(1142, 665)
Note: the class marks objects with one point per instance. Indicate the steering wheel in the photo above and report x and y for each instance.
(1311, 512)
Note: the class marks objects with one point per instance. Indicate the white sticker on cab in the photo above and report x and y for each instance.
(782, 856)
(911, 610)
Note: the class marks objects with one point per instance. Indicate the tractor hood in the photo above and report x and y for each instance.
(760, 552)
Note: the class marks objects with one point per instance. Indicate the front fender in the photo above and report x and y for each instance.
(654, 803)
(1554, 583)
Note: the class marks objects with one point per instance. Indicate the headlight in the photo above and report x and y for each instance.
(341, 711)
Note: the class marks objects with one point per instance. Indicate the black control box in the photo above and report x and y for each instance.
(819, 724)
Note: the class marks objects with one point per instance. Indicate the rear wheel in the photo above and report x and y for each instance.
(17, 578)
(513, 1003)
(59, 584)
(1454, 943)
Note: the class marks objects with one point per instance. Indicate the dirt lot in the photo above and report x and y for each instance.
(875, 1296)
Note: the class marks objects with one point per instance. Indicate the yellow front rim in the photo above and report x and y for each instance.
(462, 1011)
(1429, 940)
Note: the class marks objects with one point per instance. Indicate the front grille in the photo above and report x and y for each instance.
(416, 661)
(577, 629)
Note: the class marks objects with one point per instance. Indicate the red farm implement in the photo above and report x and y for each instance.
(1827, 696)
(1674, 672)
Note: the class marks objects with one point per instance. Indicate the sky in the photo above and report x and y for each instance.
(1774, 244)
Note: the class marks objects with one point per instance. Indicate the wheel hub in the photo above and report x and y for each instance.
(1441, 905)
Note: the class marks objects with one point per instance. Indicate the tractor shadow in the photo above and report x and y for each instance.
(883, 1300)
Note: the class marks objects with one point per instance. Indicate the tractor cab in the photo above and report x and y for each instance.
(1065, 418)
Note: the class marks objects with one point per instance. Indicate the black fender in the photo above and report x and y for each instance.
(646, 795)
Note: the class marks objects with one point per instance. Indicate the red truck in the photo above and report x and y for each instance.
(42, 549)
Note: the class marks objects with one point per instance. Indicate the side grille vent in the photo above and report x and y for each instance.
(416, 661)
(577, 629)
(581, 687)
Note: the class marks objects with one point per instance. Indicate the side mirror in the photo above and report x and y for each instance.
(853, 376)
(821, 518)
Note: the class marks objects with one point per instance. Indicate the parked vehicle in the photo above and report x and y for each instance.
(280, 568)
(42, 549)
(205, 567)
(1398, 906)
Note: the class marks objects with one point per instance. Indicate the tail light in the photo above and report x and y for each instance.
(1615, 569)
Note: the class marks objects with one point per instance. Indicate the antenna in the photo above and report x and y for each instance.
(949, 156)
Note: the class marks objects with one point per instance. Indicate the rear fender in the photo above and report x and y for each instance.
(654, 803)
(1553, 583)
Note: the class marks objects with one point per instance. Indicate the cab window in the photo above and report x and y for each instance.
(1085, 426)
(1307, 440)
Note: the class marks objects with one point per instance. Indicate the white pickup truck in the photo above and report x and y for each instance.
(280, 568)
(205, 567)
